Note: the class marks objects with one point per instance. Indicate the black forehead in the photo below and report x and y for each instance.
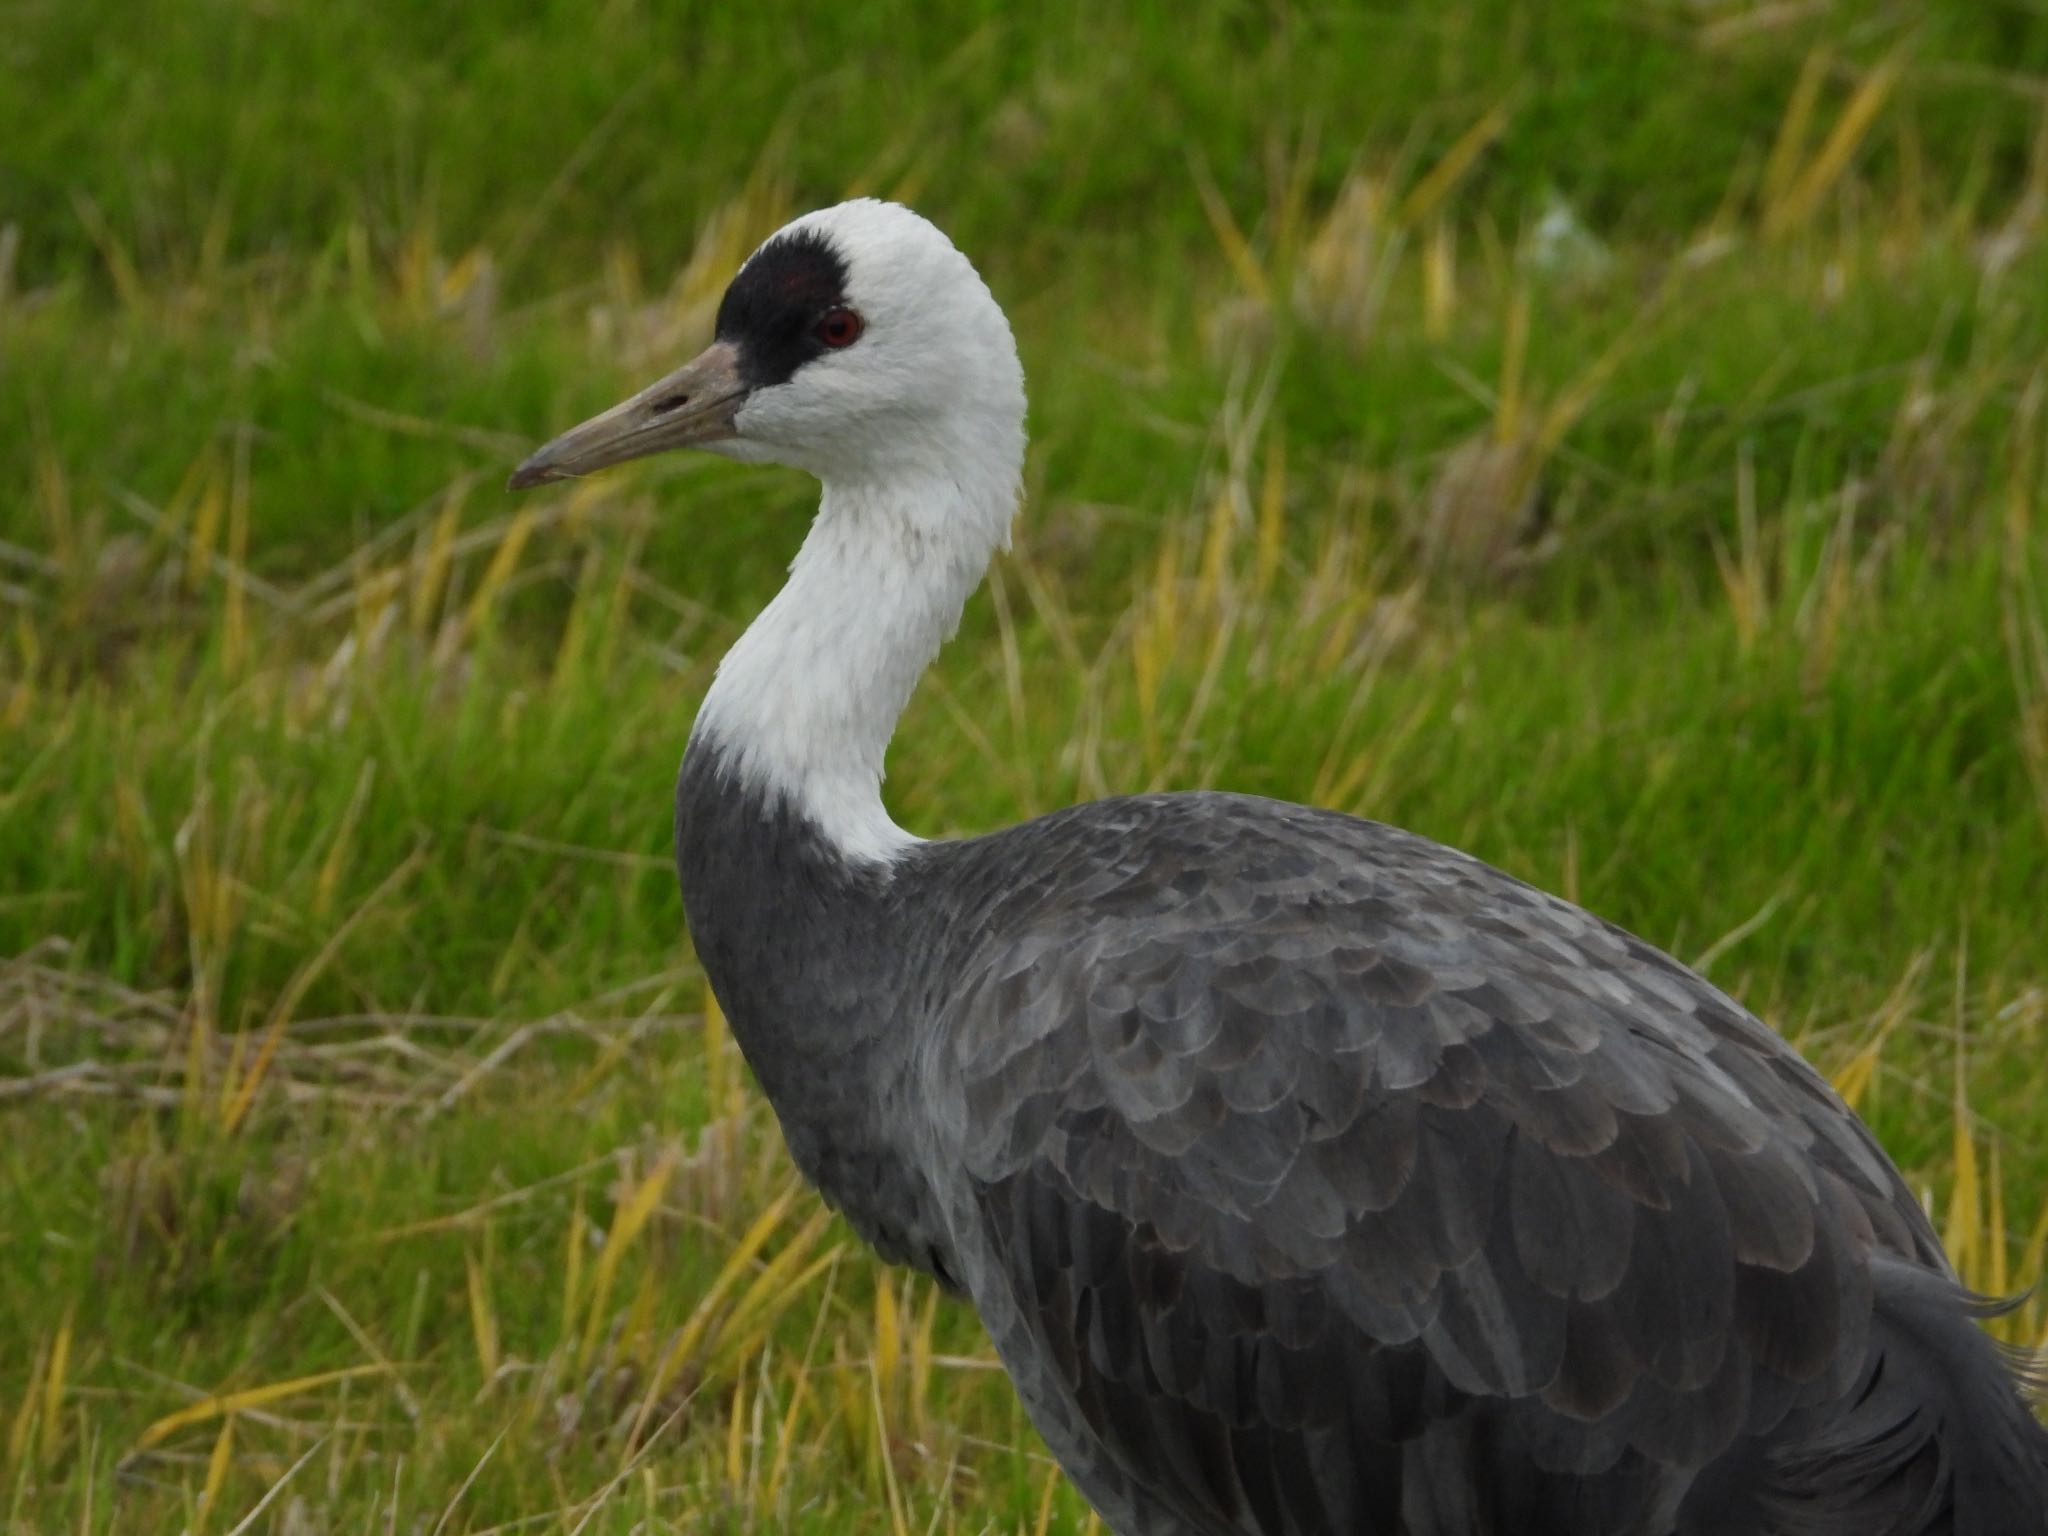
(770, 308)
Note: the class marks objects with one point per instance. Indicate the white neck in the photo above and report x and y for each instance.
(804, 704)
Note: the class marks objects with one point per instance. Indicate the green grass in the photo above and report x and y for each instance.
(367, 1145)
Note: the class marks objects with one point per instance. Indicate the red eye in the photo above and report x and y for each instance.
(839, 328)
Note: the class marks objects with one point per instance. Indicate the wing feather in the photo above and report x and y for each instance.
(1331, 1170)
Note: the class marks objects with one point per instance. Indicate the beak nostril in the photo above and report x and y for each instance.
(669, 403)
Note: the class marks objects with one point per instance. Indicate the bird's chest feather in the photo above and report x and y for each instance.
(796, 950)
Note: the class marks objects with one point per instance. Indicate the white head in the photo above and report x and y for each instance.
(925, 368)
(857, 343)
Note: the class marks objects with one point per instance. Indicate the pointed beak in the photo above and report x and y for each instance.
(694, 405)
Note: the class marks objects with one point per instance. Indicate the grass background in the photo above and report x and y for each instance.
(1608, 438)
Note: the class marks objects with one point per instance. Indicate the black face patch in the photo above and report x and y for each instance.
(776, 301)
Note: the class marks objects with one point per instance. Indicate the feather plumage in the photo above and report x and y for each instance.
(1335, 1134)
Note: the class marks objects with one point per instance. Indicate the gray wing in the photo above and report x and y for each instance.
(1332, 1171)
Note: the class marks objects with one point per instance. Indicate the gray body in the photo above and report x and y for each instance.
(1312, 1177)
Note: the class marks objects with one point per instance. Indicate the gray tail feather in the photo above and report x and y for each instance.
(1938, 1439)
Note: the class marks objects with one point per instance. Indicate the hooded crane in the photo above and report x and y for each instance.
(1310, 1176)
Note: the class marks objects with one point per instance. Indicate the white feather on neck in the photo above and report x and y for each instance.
(917, 433)
(805, 702)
